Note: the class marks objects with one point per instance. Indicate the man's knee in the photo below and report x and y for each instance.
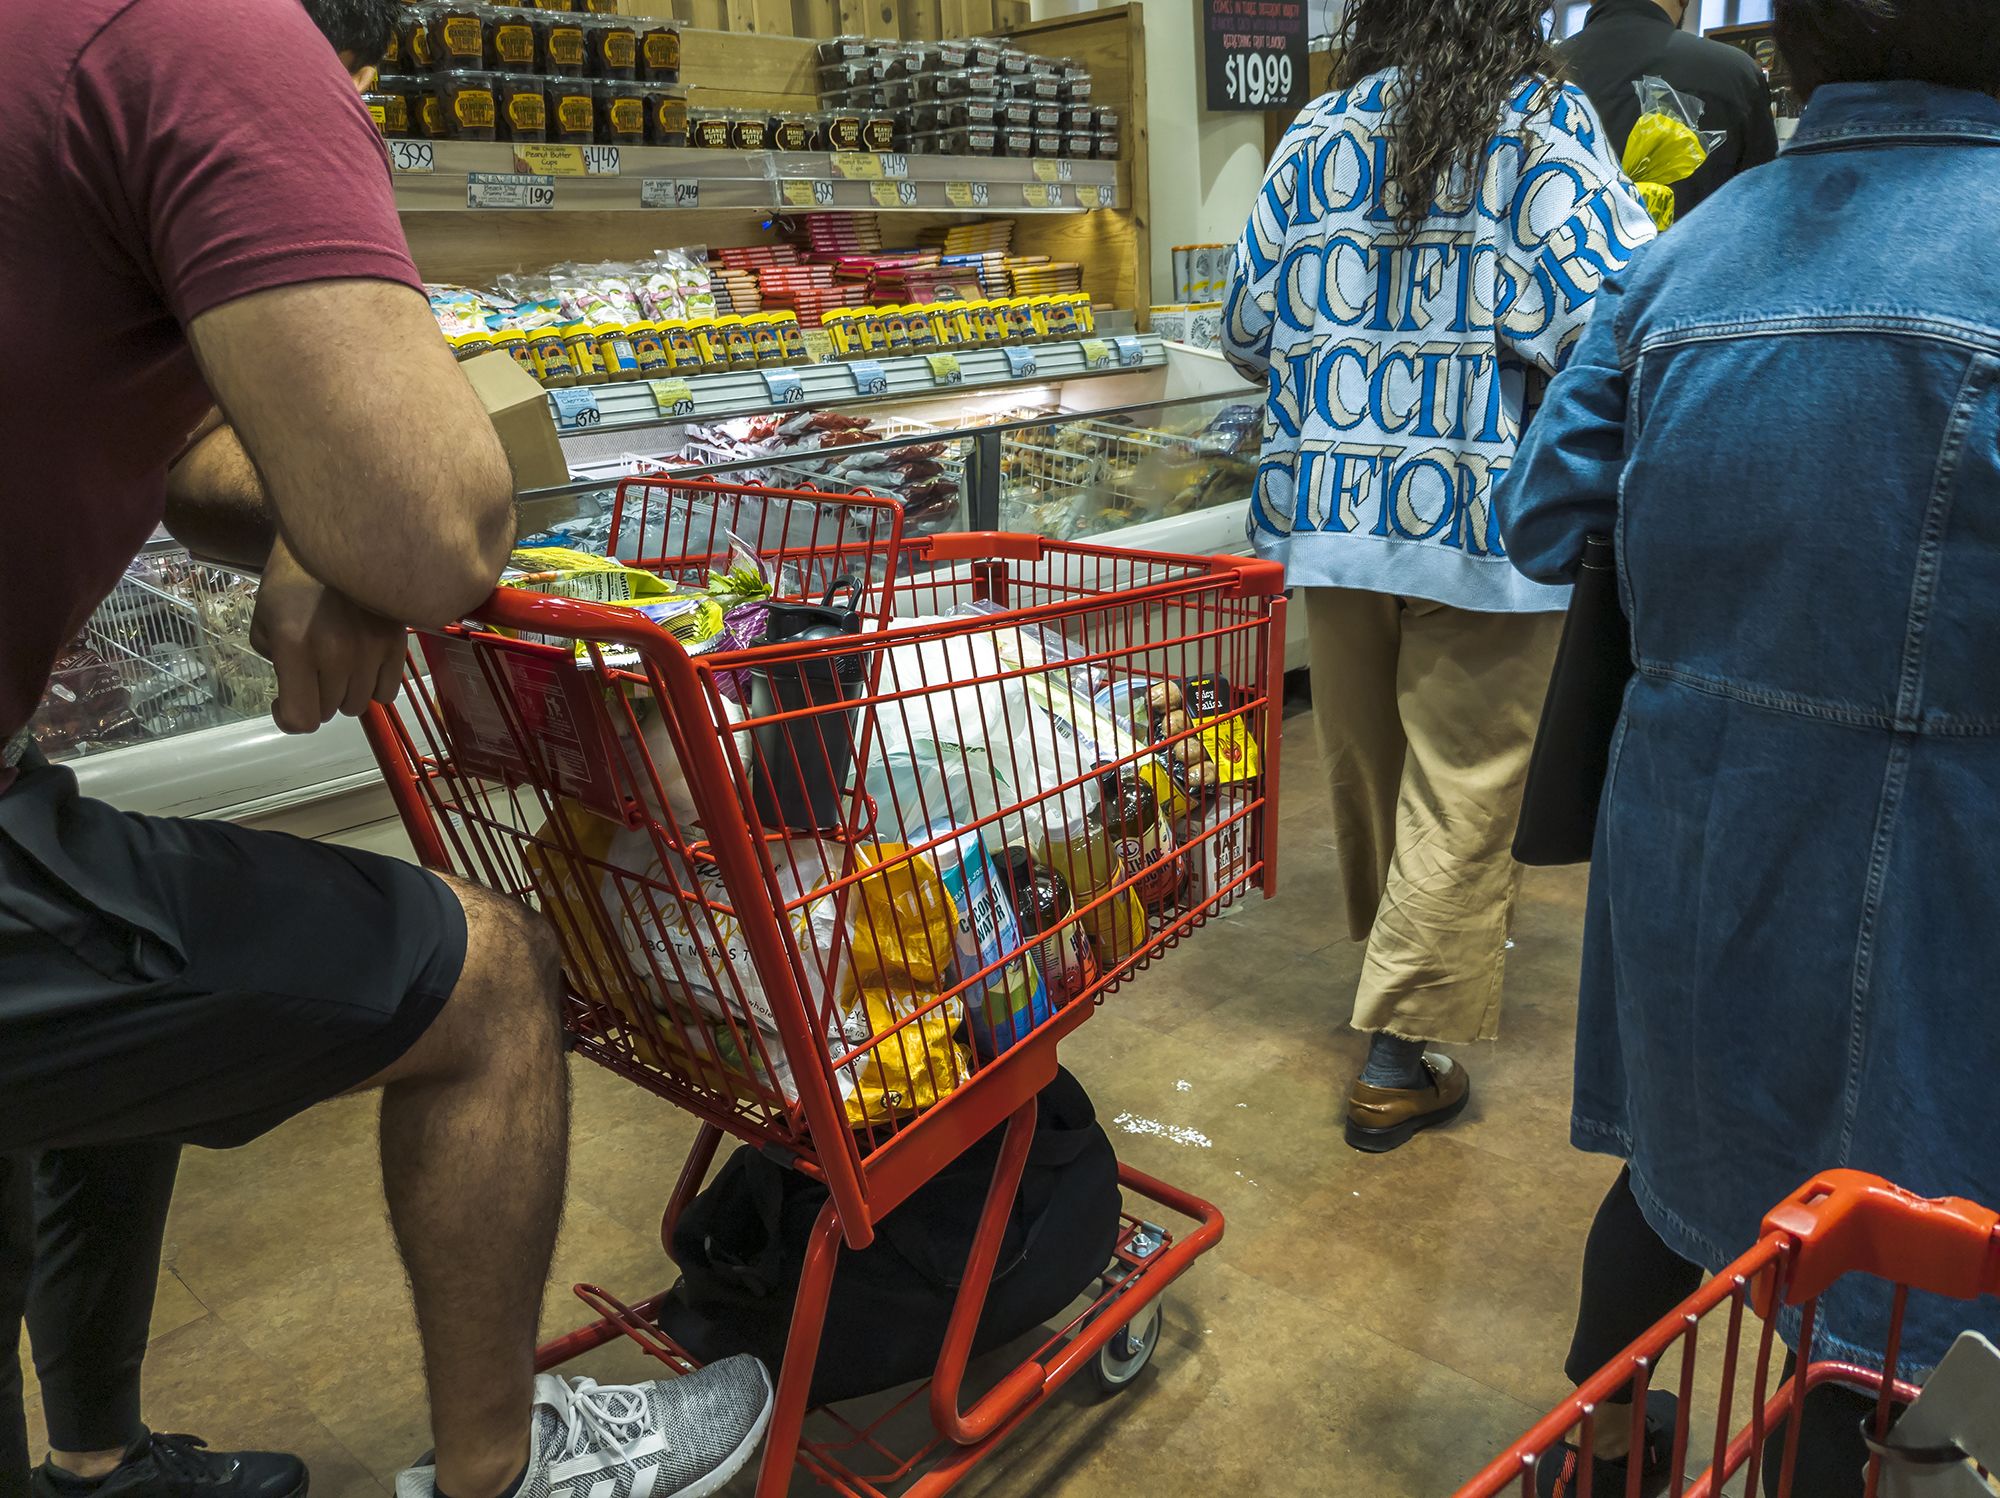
(505, 1009)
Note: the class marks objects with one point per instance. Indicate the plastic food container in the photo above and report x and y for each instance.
(842, 49)
(524, 109)
(789, 132)
(984, 54)
(878, 131)
(458, 36)
(571, 112)
(1049, 116)
(1014, 64)
(390, 111)
(1080, 145)
(1107, 117)
(1077, 85)
(559, 42)
(845, 73)
(469, 103)
(612, 45)
(1048, 142)
(747, 130)
(966, 140)
(709, 129)
(510, 41)
(413, 38)
(843, 129)
(666, 115)
(660, 54)
(1043, 88)
(1016, 143)
(1014, 114)
(1107, 145)
(621, 113)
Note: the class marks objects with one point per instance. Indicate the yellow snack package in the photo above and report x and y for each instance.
(1665, 146)
(695, 619)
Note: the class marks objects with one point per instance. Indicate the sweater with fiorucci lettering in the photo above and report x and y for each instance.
(1400, 370)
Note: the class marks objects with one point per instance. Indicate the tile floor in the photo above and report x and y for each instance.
(1369, 1326)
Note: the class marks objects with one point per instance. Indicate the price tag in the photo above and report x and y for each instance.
(1045, 170)
(576, 408)
(966, 194)
(673, 397)
(1020, 362)
(1041, 194)
(944, 369)
(669, 192)
(895, 166)
(1131, 352)
(819, 345)
(1096, 353)
(857, 166)
(1257, 80)
(802, 194)
(412, 156)
(869, 378)
(566, 161)
(1106, 195)
(784, 387)
(509, 190)
(893, 194)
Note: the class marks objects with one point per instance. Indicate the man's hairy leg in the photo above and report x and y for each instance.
(475, 1134)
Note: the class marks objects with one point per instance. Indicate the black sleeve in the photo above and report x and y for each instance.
(1760, 131)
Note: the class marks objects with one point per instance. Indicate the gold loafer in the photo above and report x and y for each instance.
(1380, 1119)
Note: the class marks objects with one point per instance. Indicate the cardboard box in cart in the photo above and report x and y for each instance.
(519, 409)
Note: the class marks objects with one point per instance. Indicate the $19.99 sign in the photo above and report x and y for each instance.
(1254, 53)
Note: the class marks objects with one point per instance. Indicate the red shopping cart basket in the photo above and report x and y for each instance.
(1841, 1223)
(813, 890)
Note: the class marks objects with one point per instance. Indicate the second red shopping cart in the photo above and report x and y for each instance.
(792, 880)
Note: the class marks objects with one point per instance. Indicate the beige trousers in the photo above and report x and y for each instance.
(1426, 717)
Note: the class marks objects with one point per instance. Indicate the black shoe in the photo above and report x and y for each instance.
(181, 1467)
(1559, 1474)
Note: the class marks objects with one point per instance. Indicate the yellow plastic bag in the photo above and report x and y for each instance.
(901, 950)
(1666, 146)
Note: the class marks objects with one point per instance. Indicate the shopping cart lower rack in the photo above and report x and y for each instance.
(1842, 1223)
(792, 881)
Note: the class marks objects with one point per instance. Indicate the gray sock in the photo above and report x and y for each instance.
(1395, 1062)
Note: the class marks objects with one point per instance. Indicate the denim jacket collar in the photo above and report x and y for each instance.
(1841, 115)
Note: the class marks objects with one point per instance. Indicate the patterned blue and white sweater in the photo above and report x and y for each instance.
(1400, 371)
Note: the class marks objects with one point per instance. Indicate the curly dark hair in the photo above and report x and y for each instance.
(1461, 60)
(359, 28)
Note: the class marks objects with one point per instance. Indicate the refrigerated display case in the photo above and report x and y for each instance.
(164, 708)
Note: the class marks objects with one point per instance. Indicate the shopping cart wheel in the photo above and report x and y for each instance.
(1130, 1349)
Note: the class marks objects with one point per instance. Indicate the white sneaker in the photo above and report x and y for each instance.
(671, 1438)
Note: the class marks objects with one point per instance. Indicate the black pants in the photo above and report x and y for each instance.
(80, 1234)
(1632, 1281)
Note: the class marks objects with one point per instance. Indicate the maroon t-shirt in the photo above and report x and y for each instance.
(160, 158)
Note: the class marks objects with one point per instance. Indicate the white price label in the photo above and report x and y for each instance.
(1020, 362)
(509, 190)
(1131, 352)
(1064, 171)
(600, 161)
(1106, 195)
(869, 378)
(576, 409)
(980, 195)
(669, 192)
(784, 388)
(1257, 78)
(895, 166)
(803, 194)
(412, 156)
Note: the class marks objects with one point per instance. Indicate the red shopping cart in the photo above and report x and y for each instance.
(1841, 1223)
(785, 877)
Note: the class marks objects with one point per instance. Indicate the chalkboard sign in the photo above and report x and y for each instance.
(1255, 53)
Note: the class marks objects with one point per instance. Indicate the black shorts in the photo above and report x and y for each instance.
(193, 981)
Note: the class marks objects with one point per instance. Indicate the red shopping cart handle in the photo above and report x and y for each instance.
(1845, 1222)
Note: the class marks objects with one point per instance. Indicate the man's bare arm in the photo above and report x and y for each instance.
(215, 500)
(380, 467)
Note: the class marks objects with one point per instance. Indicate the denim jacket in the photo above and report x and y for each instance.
(1787, 411)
